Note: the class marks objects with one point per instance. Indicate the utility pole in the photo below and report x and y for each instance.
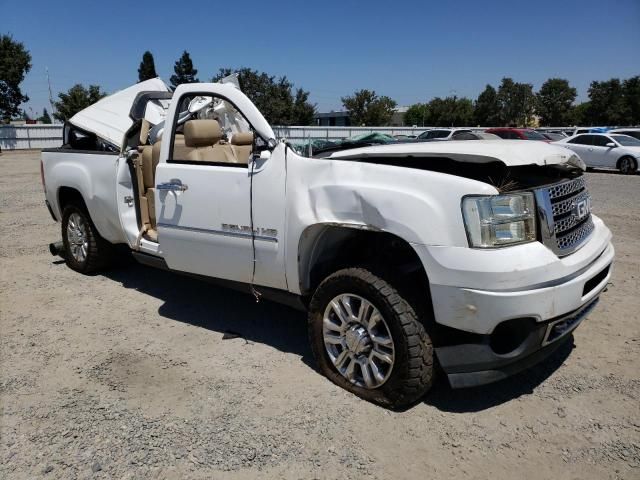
(50, 94)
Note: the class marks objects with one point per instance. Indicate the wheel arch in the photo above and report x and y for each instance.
(327, 247)
(70, 195)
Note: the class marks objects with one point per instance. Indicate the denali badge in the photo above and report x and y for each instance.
(246, 230)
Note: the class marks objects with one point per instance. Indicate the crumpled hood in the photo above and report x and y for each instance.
(512, 153)
(109, 117)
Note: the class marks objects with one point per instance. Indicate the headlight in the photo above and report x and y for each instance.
(499, 220)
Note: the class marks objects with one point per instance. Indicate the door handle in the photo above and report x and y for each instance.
(172, 186)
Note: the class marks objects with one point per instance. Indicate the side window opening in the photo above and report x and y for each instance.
(76, 139)
(217, 133)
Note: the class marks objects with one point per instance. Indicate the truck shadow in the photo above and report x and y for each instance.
(236, 314)
(218, 309)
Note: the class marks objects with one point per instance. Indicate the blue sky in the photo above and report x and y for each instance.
(411, 51)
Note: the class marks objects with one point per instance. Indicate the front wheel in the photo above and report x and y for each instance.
(367, 339)
(628, 166)
(85, 250)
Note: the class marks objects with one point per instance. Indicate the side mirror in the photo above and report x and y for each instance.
(611, 145)
(265, 154)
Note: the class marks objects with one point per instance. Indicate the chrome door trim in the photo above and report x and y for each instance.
(247, 235)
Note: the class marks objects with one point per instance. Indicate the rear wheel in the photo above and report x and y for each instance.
(628, 165)
(85, 250)
(367, 339)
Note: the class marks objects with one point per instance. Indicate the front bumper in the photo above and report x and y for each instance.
(501, 311)
(474, 364)
(476, 290)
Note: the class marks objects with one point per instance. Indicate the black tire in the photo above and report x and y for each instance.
(628, 165)
(99, 251)
(412, 372)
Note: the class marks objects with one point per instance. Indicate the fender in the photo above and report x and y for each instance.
(414, 205)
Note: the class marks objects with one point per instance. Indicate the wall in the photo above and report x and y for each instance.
(18, 137)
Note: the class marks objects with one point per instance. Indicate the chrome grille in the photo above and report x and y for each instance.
(563, 228)
(564, 206)
(567, 188)
(576, 236)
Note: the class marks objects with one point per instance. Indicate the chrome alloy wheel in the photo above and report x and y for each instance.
(78, 237)
(358, 340)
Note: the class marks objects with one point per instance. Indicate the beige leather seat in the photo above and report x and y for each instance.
(204, 139)
(242, 145)
(180, 150)
(146, 172)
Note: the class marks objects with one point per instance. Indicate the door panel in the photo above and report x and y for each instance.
(194, 224)
(205, 229)
(596, 155)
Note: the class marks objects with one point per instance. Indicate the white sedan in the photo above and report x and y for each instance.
(602, 150)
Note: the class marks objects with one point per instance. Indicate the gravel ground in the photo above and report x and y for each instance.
(127, 375)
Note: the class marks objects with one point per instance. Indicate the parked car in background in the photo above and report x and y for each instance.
(404, 137)
(580, 130)
(606, 150)
(561, 131)
(474, 136)
(632, 132)
(517, 134)
(441, 133)
(554, 137)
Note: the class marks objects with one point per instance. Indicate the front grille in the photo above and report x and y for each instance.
(564, 214)
(556, 329)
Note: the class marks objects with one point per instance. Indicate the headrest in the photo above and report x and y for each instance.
(244, 138)
(202, 133)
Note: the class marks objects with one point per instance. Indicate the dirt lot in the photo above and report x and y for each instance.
(127, 375)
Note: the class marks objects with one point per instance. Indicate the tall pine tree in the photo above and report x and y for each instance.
(147, 69)
(45, 118)
(185, 73)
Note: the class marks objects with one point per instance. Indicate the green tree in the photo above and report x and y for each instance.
(486, 109)
(366, 108)
(516, 102)
(554, 101)
(184, 71)
(273, 96)
(15, 63)
(45, 118)
(631, 94)
(608, 105)
(75, 99)
(147, 68)
(450, 112)
(416, 114)
(303, 110)
(581, 115)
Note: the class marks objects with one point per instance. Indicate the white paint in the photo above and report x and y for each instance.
(524, 152)
(109, 117)
(204, 229)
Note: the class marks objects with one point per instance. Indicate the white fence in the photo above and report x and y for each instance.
(19, 137)
(298, 134)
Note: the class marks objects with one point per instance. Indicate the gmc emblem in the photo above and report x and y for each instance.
(582, 208)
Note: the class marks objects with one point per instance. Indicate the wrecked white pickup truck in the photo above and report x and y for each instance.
(476, 259)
